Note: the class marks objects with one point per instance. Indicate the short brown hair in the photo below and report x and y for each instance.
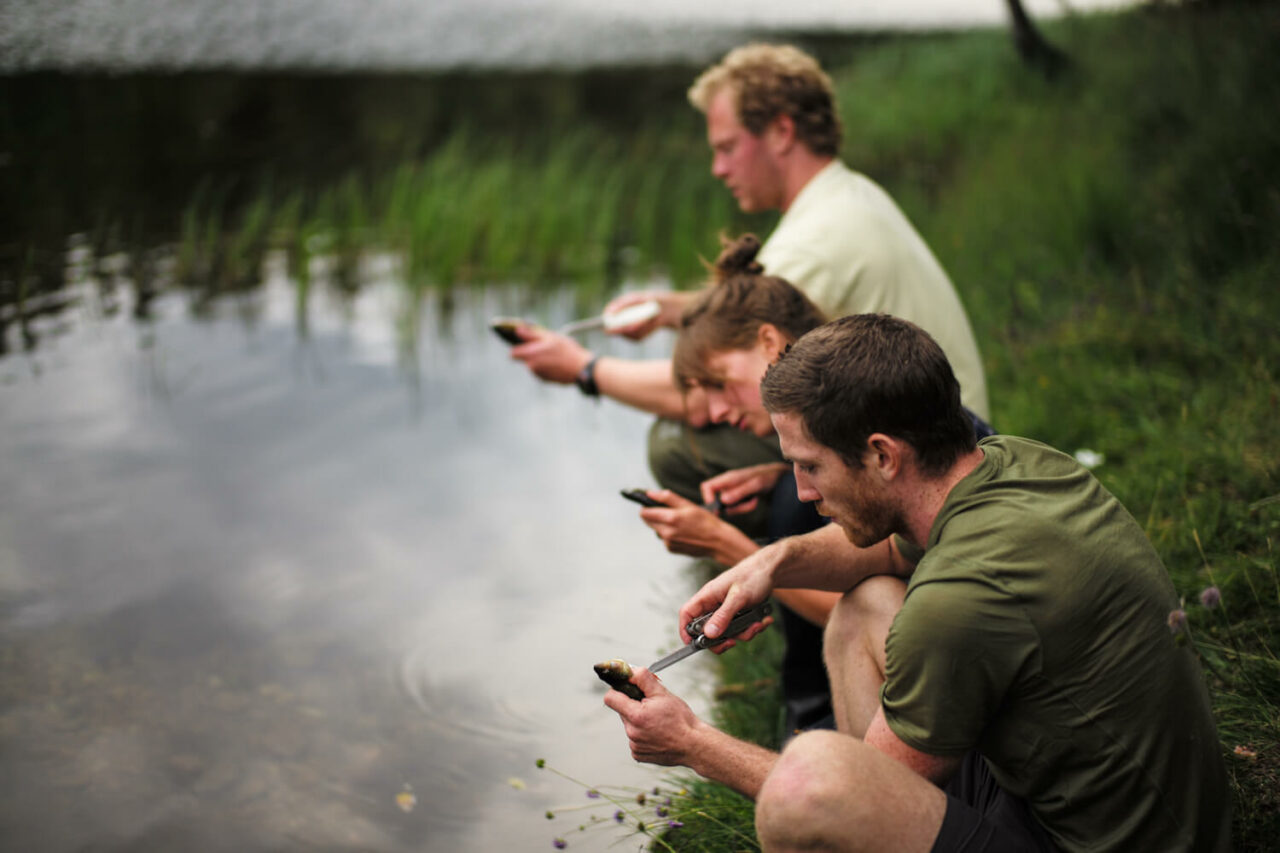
(728, 314)
(771, 80)
(869, 373)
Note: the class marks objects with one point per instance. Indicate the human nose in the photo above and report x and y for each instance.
(717, 407)
(719, 166)
(805, 491)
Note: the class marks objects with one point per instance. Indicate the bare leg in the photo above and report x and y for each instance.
(854, 650)
(830, 791)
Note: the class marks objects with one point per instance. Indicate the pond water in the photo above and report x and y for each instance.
(410, 34)
(324, 574)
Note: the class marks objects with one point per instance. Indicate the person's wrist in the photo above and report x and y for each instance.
(735, 546)
(586, 378)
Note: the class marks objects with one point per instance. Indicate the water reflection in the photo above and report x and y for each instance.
(255, 583)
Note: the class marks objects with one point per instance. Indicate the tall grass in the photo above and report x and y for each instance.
(568, 204)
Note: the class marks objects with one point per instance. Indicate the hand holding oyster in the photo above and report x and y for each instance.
(617, 674)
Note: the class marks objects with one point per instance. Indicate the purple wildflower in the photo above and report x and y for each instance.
(661, 811)
(617, 816)
(1177, 621)
(559, 843)
(593, 794)
(674, 824)
(1210, 597)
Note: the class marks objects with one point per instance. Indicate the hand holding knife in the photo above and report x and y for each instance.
(742, 620)
(617, 672)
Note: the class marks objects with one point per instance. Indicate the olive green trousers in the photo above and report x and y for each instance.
(681, 457)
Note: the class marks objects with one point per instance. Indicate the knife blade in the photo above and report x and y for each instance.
(742, 620)
(615, 319)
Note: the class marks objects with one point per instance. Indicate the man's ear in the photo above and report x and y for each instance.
(885, 455)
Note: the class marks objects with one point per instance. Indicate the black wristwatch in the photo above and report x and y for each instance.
(586, 379)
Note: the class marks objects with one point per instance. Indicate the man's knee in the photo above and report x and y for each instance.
(680, 458)
(810, 786)
(864, 611)
(673, 460)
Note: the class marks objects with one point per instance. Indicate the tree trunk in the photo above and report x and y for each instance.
(1032, 47)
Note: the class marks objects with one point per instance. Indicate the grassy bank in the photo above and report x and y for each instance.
(1114, 238)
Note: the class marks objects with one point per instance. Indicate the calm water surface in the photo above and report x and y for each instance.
(266, 567)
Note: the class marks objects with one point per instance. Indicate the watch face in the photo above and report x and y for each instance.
(586, 379)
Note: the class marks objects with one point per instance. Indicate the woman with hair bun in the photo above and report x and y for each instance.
(728, 337)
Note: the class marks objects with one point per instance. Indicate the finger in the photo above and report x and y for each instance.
(703, 600)
(654, 515)
(649, 683)
(734, 600)
(622, 301)
(742, 507)
(620, 703)
(530, 347)
(686, 549)
(723, 647)
(745, 636)
(670, 498)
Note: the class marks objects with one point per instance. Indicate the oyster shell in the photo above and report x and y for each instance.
(505, 328)
(617, 674)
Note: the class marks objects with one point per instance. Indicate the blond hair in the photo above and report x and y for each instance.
(766, 81)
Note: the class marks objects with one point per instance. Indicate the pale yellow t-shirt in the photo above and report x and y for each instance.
(845, 243)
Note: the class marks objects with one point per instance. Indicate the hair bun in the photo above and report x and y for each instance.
(738, 256)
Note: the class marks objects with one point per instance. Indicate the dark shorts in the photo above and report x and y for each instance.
(982, 816)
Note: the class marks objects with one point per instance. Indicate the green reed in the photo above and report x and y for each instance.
(576, 205)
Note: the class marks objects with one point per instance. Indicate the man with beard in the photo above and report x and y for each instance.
(1003, 674)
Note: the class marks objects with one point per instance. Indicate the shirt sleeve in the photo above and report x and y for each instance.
(953, 653)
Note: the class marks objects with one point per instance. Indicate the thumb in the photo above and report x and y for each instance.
(734, 601)
(648, 683)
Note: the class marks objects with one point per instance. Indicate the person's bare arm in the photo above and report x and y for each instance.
(812, 605)
(642, 384)
(821, 560)
(663, 730)
(645, 385)
(938, 769)
(826, 559)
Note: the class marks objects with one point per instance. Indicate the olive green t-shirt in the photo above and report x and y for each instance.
(1035, 629)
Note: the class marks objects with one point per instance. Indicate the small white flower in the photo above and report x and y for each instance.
(1089, 458)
